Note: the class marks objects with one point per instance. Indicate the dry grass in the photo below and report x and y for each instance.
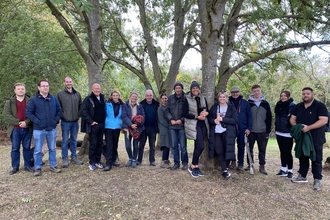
(154, 193)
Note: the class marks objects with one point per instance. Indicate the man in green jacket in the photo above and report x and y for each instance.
(19, 128)
(313, 115)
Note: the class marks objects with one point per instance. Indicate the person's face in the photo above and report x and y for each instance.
(134, 98)
(222, 99)
(164, 100)
(149, 96)
(178, 90)
(43, 88)
(256, 92)
(68, 83)
(115, 97)
(283, 97)
(96, 89)
(235, 94)
(307, 96)
(19, 90)
(195, 91)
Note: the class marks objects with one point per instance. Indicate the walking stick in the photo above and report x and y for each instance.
(247, 146)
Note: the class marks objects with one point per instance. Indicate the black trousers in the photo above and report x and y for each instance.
(262, 140)
(150, 133)
(111, 145)
(199, 144)
(96, 143)
(220, 150)
(285, 145)
(316, 165)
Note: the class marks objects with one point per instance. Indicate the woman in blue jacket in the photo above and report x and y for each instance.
(131, 109)
(283, 110)
(113, 124)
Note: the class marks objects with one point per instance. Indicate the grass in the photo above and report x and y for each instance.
(154, 193)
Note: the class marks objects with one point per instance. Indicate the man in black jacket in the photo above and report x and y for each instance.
(150, 106)
(92, 115)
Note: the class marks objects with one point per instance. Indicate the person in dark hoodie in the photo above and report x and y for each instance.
(283, 110)
(222, 120)
(261, 125)
(244, 124)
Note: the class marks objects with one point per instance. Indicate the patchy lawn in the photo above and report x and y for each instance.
(153, 193)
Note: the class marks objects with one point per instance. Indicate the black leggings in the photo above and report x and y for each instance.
(285, 144)
(199, 144)
(220, 150)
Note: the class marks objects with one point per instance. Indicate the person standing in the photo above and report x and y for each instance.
(19, 128)
(92, 113)
(133, 124)
(150, 106)
(261, 125)
(195, 112)
(164, 132)
(113, 125)
(45, 112)
(283, 111)
(176, 119)
(312, 115)
(70, 101)
(244, 123)
(223, 118)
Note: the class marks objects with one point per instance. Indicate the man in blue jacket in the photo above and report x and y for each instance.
(45, 112)
(244, 124)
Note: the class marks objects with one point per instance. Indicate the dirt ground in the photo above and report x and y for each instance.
(148, 192)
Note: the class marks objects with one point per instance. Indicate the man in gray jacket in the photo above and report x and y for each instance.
(70, 101)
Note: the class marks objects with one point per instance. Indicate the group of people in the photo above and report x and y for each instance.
(176, 118)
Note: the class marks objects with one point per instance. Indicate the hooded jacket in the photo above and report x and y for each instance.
(261, 115)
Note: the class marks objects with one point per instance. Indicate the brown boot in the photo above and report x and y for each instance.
(262, 169)
(165, 164)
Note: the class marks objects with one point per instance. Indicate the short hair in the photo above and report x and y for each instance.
(43, 80)
(19, 84)
(149, 90)
(66, 78)
(286, 92)
(178, 84)
(255, 87)
(307, 88)
(163, 94)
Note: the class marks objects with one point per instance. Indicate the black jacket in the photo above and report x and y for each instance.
(156, 105)
(282, 115)
(175, 110)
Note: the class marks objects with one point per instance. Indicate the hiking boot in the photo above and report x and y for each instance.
(75, 160)
(232, 164)
(65, 163)
(226, 174)
(184, 166)
(92, 167)
(116, 163)
(199, 172)
(129, 163)
(240, 169)
(165, 164)
(107, 168)
(134, 164)
(13, 171)
(175, 166)
(153, 164)
(99, 165)
(262, 169)
(282, 173)
(290, 175)
(37, 172)
(29, 169)
(54, 170)
(193, 172)
(317, 184)
(299, 179)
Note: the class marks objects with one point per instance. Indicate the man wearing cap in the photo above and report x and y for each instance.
(244, 124)
(176, 119)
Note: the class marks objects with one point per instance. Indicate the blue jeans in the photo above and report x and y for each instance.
(128, 144)
(39, 137)
(179, 143)
(18, 136)
(150, 133)
(69, 128)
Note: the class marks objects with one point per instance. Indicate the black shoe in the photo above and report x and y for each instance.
(226, 175)
(175, 166)
(185, 166)
(107, 168)
(153, 164)
(29, 169)
(13, 171)
(138, 163)
(116, 164)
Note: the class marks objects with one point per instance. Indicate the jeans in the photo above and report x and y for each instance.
(111, 145)
(316, 165)
(69, 128)
(149, 132)
(18, 136)
(128, 144)
(179, 139)
(96, 143)
(39, 137)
